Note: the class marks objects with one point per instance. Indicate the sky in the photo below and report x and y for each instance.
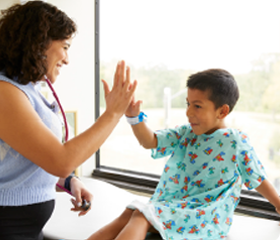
(188, 34)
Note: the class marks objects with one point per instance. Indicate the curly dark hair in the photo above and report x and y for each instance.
(26, 33)
(221, 85)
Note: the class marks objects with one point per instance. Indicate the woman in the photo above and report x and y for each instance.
(35, 38)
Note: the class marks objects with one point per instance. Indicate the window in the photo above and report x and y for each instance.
(164, 42)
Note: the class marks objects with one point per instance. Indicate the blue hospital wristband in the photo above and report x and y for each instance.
(142, 117)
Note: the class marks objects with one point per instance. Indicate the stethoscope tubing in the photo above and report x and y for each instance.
(61, 109)
(85, 205)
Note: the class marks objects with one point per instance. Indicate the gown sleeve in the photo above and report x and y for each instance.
(168, 140)
(250, 167)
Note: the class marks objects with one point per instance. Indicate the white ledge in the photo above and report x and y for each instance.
(110, 201)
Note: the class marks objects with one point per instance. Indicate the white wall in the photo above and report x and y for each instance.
(7, 3)
(75, 85)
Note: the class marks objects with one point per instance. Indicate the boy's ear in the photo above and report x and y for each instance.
(224, 111)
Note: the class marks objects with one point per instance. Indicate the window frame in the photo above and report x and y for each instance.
(251, 202)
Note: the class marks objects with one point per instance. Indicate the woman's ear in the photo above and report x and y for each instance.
(223, 111)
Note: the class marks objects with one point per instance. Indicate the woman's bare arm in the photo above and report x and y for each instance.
(23, 130)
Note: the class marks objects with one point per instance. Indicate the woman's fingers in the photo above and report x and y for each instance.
(80, 209)
(106, 87)
(121, 95)
(131, 89)
(122, 76)
(116, 76)
(122, 79)
(127, 80)
(119, 77)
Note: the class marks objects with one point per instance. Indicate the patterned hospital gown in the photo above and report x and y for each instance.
(200, 185)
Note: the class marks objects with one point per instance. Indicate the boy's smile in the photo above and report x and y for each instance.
(201, 113)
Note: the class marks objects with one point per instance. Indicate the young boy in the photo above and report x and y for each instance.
(201, 183)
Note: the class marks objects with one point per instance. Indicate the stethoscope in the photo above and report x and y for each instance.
(85, 204)
(60, 107)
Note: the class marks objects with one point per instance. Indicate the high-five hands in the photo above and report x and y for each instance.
(119, 98)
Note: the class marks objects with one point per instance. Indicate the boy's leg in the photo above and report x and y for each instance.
(136, 228)
(111, 230)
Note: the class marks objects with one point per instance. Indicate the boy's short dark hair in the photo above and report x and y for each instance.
(221, 85)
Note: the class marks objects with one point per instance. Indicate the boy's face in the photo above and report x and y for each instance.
(201, 113)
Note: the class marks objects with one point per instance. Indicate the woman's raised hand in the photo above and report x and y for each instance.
(119, 98)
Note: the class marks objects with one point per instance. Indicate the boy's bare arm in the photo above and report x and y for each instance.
(268, 191)
(145, 135)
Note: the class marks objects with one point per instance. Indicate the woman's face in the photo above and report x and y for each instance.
(57, 55)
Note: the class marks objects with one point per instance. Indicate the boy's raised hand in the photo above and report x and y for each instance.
(133, 109)
(144, 135)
